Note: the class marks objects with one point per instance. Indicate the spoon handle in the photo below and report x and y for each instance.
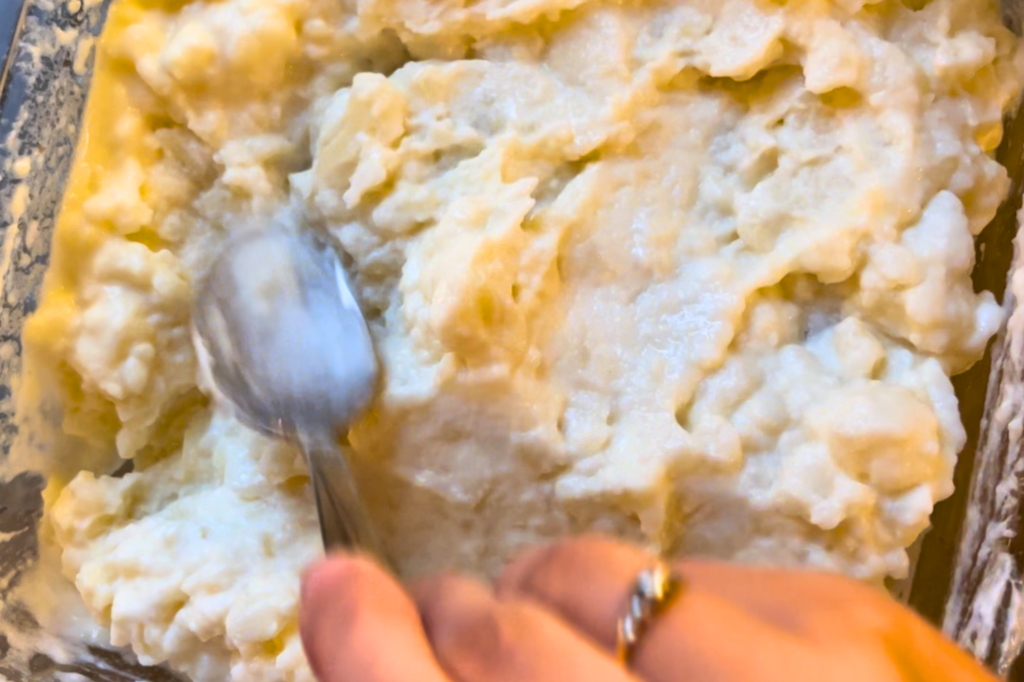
(344, 520)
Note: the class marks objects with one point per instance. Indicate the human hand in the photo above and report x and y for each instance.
(552, 616)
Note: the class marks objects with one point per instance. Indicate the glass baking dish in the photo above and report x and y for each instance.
(967, 575)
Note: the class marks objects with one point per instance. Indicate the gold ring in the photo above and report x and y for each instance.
(655, 590)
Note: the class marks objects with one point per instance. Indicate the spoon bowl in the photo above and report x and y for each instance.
(282, 342)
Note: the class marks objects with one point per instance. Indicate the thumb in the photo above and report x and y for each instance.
(358, 625)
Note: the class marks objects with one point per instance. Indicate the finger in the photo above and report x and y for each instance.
(702, 636)
(769, 594)
(586, 580)
(477, 638)
(922, 653)
(354, 618)
(589, 579)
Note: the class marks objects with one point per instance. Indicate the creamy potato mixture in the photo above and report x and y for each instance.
(695, 273)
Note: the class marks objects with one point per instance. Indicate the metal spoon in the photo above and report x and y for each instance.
(282, 340)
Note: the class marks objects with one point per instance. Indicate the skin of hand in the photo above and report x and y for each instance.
(551, 617)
